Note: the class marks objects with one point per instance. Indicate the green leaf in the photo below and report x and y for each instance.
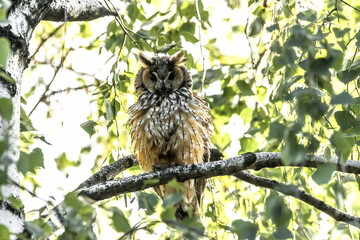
(6, 108)
(188, 27)
(85, 30)
(6, 77)
(168, 213)
(3, 146)
(132, 12)
(187, 9)
(283, 233)
(244, 229)
(189, 37)
(4, 232)
(342, 144)
(147, 201)
(323, 173)
(347, 76)
(277, 210)
(327, 154)
(109, 110)
(340, 193)
(25, 122)
(256, 26)
(120, 222)
(176, 185)
(273, 27)
(309, 15)
(79, 207)
(15, 202)
(172, 199)
(4, 50)
(292, 152)
(342, 98)
(89, 127)
(165, 48)
(339, 33)
(244, 88)
(38, 228)
(345, 119)
(357, 37)
(29, 162)
(248, 144)
(276, 130)
(62, 162)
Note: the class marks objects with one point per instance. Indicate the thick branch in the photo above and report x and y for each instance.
(69, 10)
(263, 160)
(295, 192)
(98, 187)
(108, 172)
(181, 173)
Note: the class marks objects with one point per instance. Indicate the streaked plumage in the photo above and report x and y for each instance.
(169, 124)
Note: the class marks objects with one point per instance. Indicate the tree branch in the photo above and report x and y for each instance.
(76, 11)
(181, 173)
(97, 187)
(263, 160)
(108, 172)
(295, 192)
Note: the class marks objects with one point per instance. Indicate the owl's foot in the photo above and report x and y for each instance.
(174, 165)
(158, 167)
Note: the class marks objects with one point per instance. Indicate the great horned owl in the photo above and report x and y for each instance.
(169, 124)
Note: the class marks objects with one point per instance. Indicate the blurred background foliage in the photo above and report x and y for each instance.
(280, 76)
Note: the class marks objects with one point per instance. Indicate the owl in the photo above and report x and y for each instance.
(170, 126)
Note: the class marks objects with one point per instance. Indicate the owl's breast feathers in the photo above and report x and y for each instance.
(170, 129)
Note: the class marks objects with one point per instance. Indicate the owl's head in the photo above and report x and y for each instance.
(162, 74)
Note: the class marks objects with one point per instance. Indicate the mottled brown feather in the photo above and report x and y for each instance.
(169, 124)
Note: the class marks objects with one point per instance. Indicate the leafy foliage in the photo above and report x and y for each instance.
(290, 84)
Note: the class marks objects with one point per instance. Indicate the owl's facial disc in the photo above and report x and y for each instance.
(163, 85)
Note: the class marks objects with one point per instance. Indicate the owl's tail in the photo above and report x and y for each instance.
(190, 204)
(181, 213)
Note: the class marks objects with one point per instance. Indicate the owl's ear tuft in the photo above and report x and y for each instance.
(178, 58)
(145, 60)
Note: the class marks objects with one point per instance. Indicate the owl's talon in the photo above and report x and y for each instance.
(158, 167)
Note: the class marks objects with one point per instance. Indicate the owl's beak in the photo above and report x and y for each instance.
(161, 86)
(160, 79)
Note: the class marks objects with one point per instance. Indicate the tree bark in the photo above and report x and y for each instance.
(70, 10)
(98, 187)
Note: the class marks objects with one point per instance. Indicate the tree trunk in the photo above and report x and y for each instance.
(23, 16)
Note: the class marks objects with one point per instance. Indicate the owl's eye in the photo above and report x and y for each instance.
(171, 76)
(153, 77)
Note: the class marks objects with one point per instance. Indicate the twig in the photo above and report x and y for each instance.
(69, 89)
(201, 47)
(329, 14)
(122, 25)
(115, 94)
(73, 70)
(52, 80)
(295, 192)
(43, 40)
(350, 5)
